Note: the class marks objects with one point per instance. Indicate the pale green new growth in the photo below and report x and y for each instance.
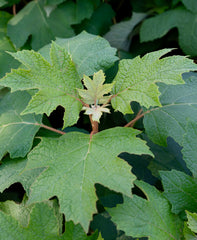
(56, 82)
(80, 162)
(151, 217)
(136, 78)
(192, 221)
(95, 111)
(94, 94)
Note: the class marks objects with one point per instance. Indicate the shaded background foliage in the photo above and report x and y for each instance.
(134, 27)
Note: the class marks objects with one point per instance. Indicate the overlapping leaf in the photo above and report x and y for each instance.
(189, 147)
(43, 224)
(11, 172)
(99, 22)
(178, 104)
(16, 131)
(23, 24)
(39, 221)
(183, 19)
(190, 229)
(136, 78)
(6, 61)
(75, 162)
(180, 189)
(74, 12)
(90, 53)
(120, 36)
(150, 217)
(56, 82)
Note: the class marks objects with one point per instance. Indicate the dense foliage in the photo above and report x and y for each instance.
(98, 119)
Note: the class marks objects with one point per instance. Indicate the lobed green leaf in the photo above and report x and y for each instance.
(151, 217)
(136, 78)
(75, 162)
(56, 82)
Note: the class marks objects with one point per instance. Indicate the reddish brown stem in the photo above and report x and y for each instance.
(94, 126)
(14, 9)
(51, 129)
(138, 116)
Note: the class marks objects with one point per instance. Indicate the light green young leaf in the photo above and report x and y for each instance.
(189, 147)
(136, 78)
(119, 35)
(180, 189)
(95, 111)
(188, 234)
(178, 104)
(192, 221)
(150, 217)
(22, 25)
(17, 131)
(56, 82)
(75, 162)
(90, 53)
(184, 20)
(94, 94)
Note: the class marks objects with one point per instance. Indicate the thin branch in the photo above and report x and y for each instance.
(14, 9)
(94, 126)
(139, 115)
(50, 128)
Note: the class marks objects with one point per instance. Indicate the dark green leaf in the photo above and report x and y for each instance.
(74, 12)
(183, 19)
(6, 61)
(150, 217)
(16, 131)
(75, 162)
(178, 104)
(23, 24)
(189, 147)
(180, 189)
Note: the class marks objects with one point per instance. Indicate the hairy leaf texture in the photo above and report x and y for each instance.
(16, 131)
(56, 82)
(151, 217)
(136, 78)
(75, 162)
(94, 94)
